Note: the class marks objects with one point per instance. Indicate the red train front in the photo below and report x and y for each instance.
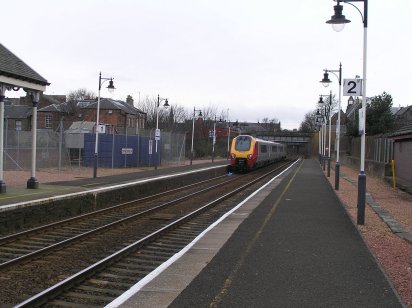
(248, 152)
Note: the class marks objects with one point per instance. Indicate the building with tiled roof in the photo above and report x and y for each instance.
(402, 150)
(118, 115)
(16, 73)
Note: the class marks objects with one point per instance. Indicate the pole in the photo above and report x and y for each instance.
(32, 182)
(228, 136)
(324, 142)
(330, 130)
(2, 97)
(213, 141)
(61, 143)
(96, 144)
(193, 130)
(337, 165)
(157, 127)
(320, 145)
(362, 175)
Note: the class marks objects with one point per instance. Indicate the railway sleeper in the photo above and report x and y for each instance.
(138, 258)
(99, 290)
(107, 283)
(75, 297)
(110, 278)
(132, 273)
(60, 303)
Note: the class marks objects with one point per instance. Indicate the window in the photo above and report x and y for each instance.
(48, 123)
(243, 143)
(263, 148)
(18, 125)
(274, 148)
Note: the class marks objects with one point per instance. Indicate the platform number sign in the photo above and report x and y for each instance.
(352, 87)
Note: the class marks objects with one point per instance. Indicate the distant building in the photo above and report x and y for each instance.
(403, 116)
(118, 115)
(18, 111)
(403, 152)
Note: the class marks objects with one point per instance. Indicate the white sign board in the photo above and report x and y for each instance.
(352, 87)
(127, 151)
(101, 129)
(150, 147)
(361, 122)
(157, 134)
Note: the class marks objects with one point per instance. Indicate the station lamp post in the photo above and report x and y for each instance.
(327, 114)
(228, 133)
(111, 88)
(157, 133)
(213, 140)
(325, 81)
(320, 122)
(338, 22)
(193, 130)
(319, 125)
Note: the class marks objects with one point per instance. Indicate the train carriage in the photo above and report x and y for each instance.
(248, 153)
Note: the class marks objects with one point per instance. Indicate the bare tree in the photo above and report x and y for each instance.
(80, 94)
(167, 117)
(309, 124)
(270, 124)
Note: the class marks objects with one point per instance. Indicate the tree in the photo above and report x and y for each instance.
(167, 117)
(80, 94)
(270, 124)
(379, 118)
(309, 124)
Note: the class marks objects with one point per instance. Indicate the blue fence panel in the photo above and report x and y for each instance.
(110, 151)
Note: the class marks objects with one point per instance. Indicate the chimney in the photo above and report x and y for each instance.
(129, 100)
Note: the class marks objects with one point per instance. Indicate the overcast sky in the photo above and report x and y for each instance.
(260, 58)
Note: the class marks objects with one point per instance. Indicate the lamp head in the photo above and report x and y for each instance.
(338, 20)
(166, 104)
(326, 81)
(200, 114)
(111, 87)
(321, 100)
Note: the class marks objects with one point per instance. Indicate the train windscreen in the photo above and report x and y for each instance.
(243, 143)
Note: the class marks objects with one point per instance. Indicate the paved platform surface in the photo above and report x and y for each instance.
(292, 245)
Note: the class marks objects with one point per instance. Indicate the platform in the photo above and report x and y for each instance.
(291, 245)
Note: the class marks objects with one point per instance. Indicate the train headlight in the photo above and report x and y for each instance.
(249, 156)
(233, 156)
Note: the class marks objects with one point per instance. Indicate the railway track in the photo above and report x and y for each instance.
(159, 235)
(30, 244)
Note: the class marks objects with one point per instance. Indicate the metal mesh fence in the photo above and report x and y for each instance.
(52, 150)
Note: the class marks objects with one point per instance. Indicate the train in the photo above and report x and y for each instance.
(248, 153)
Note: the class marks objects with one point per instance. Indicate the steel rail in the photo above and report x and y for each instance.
(65, 242)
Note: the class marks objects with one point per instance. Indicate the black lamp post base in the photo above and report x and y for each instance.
(361, 198)
(328, 166)
(32, 183)
(337, 175)
(2, 187)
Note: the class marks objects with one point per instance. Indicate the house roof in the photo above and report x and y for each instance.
(111, 104)
(17, 111)
(402, 110)
(12, 66)
(55, 108)
(81, 127)
(404, 130)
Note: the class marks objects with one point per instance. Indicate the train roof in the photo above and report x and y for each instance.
(258, 139)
